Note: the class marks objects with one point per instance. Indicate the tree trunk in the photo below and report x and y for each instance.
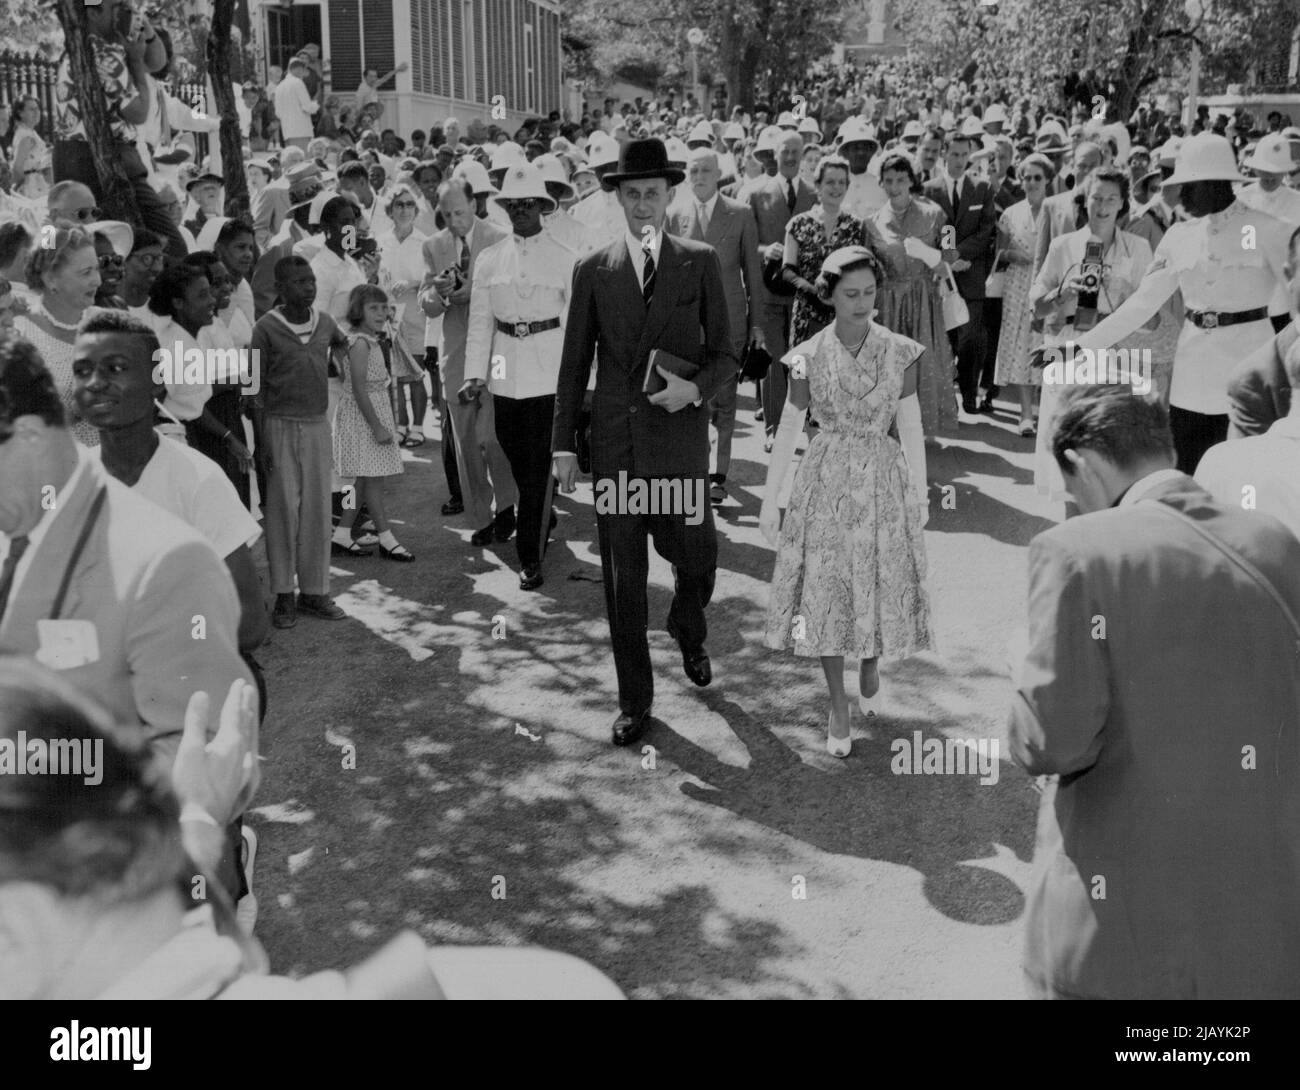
(117, 197)
(232, 144)
(1135, 70)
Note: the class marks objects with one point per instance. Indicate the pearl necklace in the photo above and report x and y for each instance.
(69, 327)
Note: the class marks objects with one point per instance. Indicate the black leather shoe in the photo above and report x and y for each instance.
(970, 408)
(453, 507)
(628, 728)
(530, 578)
(484, 536)
(695, 660)
(503, 526)
(986, 406)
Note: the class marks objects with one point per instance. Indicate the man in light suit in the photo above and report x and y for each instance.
(775, 200)
(1162, 686)
(149, 615)
(973, 215)
(448, 255)
(702, 214)
(1067, 211)
(648, 290)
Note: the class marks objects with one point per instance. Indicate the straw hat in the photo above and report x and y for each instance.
(523, 182)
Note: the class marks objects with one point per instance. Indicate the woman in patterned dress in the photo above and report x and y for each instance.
(1017, 237)
(31, 155)
(850, 574)
(809, 237)
(365, 434)
(908, 301)
(64, 278)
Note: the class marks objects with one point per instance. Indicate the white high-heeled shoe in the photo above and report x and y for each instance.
(837, 747)
(873, 706)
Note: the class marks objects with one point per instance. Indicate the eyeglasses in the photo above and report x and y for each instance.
(111, 261)
(1033, 178)
(86, 215)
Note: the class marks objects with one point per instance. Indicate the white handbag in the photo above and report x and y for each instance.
(997, 279)
(955, 311)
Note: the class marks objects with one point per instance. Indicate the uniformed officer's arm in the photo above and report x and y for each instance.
(478, 336)
(1160, 282)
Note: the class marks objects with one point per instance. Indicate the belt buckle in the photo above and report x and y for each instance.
(1210, 320)
(521, 330)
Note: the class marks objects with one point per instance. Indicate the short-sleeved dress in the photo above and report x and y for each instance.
(807, 316)
(908, 302)
(1017, 339)
(356, 454)
(850, 574)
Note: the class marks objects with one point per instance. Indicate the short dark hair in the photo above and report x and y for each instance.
(145, 239)
(26, 389)
(826, 281)
(933, 133)
(1123, 427)
(120, 321)
(232, 229)
(329, 213)
(1115, 177)
(174, 281)
(352, 169)
(13, 237)
(899, 163)
(286, 265)
(425, 166)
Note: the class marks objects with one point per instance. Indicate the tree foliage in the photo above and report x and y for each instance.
(754, 46)
(1136, 44)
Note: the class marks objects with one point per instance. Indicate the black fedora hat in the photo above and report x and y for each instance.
(643, 159)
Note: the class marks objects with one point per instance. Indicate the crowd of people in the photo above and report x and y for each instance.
(882, 256)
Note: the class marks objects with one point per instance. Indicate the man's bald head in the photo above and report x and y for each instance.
(703, 173)
(70, 204)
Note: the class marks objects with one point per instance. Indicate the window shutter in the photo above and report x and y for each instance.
(378, 15)
(345, 46)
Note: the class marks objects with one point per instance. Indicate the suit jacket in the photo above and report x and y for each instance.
(142, 580)
(733, 234)
(1060, 216)
(441, 252)
(976, 221)
(269, 209)
(607, 315)
(767, 200)
(1259, 392)
(1167, 862)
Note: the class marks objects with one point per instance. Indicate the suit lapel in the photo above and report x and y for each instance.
(718, 223)
(34, 597)
(618, 276)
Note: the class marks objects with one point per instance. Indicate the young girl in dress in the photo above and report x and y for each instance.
(365, 434)
(850, 566)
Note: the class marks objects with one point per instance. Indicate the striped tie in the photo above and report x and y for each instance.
(648, 282)
(17, 546)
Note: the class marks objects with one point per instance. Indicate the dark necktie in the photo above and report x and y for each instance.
(789, 194)
(956, 195)
(648, 280)
(464, 257)
(17, 546)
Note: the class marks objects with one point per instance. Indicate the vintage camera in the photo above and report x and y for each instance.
(365, 247)
(1085, 314)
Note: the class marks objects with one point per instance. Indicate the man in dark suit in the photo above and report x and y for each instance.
(968, 205)
(702, 214)
(1259, 392)
(648, 290)
(775, 201)
(1161, 686)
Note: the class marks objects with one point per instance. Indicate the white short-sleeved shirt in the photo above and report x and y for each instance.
(193, 488)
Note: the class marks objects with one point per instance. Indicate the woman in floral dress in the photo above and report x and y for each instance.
(850, 574)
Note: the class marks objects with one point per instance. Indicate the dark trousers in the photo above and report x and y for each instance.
(992, 336)
(524, 432)
(1194, 434)
(968, 343)
(624, 562)
(74, 163)
(444, 425)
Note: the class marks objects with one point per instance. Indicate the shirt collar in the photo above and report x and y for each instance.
(634, 244)
(1140, 488)
(710, 204)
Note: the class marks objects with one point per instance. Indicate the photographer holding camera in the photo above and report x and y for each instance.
(125, 48)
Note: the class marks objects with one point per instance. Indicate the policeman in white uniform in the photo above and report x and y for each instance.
(1270, 162)
(599, 211)
(858, 144)
(1228, 265)
(517, 314)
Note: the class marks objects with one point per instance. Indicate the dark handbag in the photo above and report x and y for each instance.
(773, 280)
(755, 362)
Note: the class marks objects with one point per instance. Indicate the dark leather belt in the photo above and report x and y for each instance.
(1210, 319)
(526, 329)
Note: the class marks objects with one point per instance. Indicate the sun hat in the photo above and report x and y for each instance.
(1206, 157)
(523, 182)
(1272, 155)
(553, 173)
